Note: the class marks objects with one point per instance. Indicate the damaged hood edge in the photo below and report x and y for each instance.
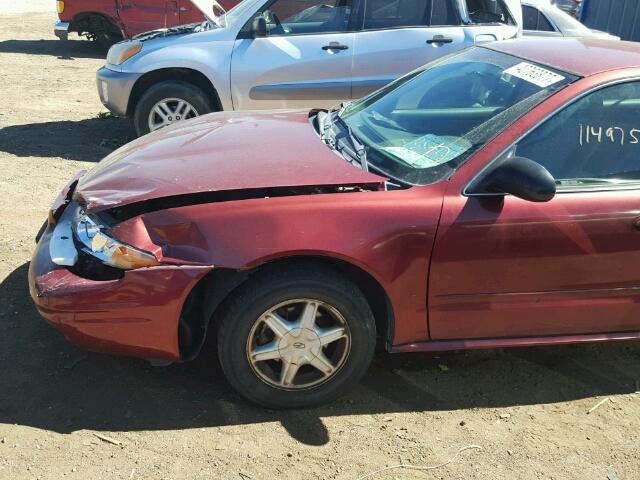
(124, 211)
(230, 155)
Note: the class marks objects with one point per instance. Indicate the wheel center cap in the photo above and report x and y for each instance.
(299, 344)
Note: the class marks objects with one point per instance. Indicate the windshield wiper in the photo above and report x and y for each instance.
(328, 136)
(359, 148)
(327, 125)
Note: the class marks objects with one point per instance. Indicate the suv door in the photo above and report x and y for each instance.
(490, 20)
(400, 35)
(512, 268)
(305, 58)
(143, 15)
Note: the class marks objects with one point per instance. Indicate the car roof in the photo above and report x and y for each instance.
(583, 56)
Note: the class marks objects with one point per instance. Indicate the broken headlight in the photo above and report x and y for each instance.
(90, 234)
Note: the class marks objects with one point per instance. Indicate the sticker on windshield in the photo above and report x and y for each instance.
(430, 150)
(533, 74)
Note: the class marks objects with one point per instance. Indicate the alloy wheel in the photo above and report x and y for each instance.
(298, 344)
(169, 111)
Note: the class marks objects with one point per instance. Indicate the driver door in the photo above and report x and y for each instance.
(304, 60)
(507, 267)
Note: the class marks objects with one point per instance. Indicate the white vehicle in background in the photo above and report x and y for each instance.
(544, 18)
(266, 54)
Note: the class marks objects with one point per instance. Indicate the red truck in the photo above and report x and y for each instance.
(109, 21)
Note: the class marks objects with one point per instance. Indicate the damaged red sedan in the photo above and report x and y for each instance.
(490, 199)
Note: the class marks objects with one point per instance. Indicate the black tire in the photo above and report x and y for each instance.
(264, 291)
(169, 89)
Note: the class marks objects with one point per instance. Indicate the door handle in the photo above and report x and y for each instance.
(440, 39)
(335, 46)
(636, 223)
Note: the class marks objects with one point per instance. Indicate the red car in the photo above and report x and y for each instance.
(490, 199)
(109, 21)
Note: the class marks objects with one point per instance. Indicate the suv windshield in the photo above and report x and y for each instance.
(421, 127)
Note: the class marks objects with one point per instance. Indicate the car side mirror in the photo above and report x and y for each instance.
(259, 27)
(517, 176)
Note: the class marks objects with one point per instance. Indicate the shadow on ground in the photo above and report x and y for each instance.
(87, 140)
(47, 383)
(64, 50)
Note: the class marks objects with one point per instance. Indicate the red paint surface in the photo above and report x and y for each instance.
(136, 16)
(584, 56)
(387, 234)
(460, 272)
(479, 344)
(136, 315)
(516, 269)
(219, 152)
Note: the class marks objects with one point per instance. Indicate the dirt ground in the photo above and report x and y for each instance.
(526, 408)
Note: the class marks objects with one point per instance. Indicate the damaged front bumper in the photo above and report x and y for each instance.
(136, 314)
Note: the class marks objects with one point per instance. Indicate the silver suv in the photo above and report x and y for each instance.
(266, 54)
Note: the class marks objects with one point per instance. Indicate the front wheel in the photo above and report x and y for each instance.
(167, 103)
(296, 339)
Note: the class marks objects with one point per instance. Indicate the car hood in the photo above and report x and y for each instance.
(220, 152)
(173, 31)
(209, 8)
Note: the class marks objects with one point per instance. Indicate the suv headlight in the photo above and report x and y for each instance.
(107, 249)
(123, 51)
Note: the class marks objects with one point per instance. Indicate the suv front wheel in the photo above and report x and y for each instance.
(169, 102)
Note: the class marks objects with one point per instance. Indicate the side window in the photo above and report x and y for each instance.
(298, 17)
(543, 24)
(443, 12)
(535, 20)
(594, 141)
(381, 14)
(529, 18)
(488, 11)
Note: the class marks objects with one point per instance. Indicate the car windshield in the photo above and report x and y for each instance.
(421, 127)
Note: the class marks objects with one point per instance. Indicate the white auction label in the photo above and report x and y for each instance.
(534, 74)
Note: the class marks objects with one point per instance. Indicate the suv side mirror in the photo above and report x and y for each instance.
(517, 176)
(259, 27)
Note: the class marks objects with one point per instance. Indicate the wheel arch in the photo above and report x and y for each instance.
(83, 18)
(188, 75)
(210, 293)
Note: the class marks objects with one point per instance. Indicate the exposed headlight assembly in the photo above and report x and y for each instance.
(123, 51)
(107, 249)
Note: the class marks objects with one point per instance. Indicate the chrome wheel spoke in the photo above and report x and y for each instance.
(322, 363)
(181, 105)
(163, 110)
(287, 335)
(288, 373)
(277, 324)
(330, 335)
(169, 111)
(308, 317)
(265, 352)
